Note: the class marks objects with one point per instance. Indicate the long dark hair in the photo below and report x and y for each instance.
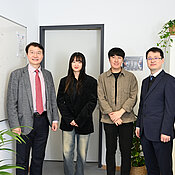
(70, 77)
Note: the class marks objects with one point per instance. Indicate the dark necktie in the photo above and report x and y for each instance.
(151, 80)
(39, 101)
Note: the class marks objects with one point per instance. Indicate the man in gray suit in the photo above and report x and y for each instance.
(31, 101)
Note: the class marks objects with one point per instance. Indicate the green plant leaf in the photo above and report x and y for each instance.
(7, 166)
(22, 127)
(1, 138)
(2, 131)
(5, 173)
(7, 149)
(137, 158)
(3, 143)
(164, 35)
(6, 142)
(4, 160)
(15, 136)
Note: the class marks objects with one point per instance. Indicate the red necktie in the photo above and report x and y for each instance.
(39, 101)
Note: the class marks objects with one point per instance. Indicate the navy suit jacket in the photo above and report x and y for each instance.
(157, 107)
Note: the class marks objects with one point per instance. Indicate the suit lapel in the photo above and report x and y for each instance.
(28, 86)
(46, 82)
(145, 87)
(156, 82)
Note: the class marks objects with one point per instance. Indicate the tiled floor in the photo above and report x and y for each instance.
(56, 168)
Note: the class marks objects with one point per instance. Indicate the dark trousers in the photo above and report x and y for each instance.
(158, 156)
(125, 133)
(36, 140)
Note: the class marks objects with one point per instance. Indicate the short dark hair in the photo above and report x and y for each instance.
(116, 51)
(34, 44)
(155, 49)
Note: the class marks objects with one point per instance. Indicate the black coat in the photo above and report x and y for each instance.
(80, 108)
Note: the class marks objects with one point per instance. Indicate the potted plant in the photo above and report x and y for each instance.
(167, 30)
(3, 147)
(137, 158)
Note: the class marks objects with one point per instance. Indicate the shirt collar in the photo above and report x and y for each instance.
(109, 72)
(157, 73)
(32, 69)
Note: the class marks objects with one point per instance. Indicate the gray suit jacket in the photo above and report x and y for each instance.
(20, 103)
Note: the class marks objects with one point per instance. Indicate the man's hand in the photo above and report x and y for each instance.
(54, 126)
(137, 132)
(119, 122)
(164, 138)
(73, 123)
(116, 115)
(17, 131)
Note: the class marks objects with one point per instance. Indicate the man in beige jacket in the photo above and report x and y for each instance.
(117, 94)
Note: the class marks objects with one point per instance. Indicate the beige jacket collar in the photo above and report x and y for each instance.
(109, 72)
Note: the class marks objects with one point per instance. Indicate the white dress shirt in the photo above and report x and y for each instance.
(32, 75)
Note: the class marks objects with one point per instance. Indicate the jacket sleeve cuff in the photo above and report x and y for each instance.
(127, 108)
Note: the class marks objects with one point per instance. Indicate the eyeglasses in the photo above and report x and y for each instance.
(35, 53)
(153, 58)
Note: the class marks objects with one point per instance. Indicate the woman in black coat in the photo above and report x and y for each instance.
(76, 100)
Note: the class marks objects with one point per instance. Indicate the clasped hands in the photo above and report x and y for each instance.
(73, 123)
(116, 116)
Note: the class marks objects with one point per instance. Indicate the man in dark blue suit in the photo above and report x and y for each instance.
(155, 123)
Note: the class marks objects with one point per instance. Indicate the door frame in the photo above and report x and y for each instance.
(99, 27)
